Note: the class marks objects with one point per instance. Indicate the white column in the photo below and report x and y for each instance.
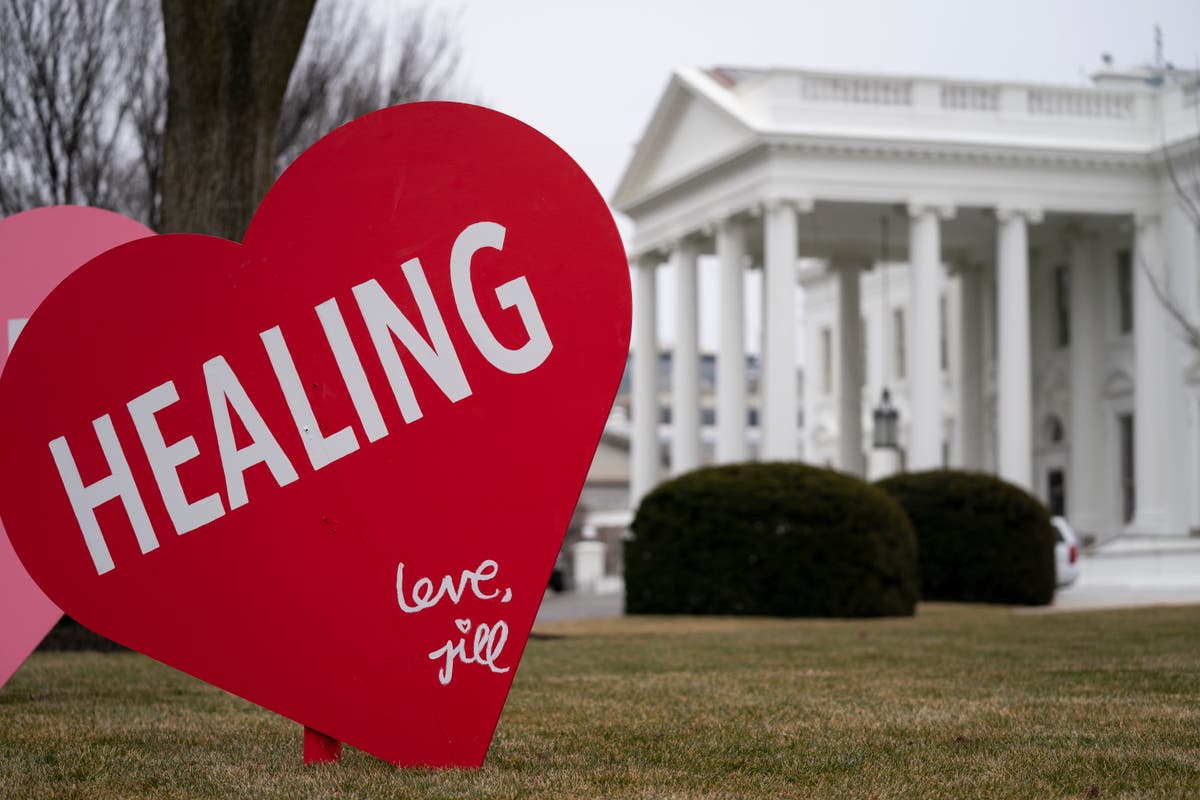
(1014, 404)
(850, 371)
(731, 352)
(1085, 487)
(644, 452)
(1181, 241)
(924, 351)
(588, 560)
(779, 412)
(685, 363)
(1151, 406)
(970, 368)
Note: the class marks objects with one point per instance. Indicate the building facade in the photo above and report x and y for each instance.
(1011, 261)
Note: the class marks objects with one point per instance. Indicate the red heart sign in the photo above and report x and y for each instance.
(329, 469)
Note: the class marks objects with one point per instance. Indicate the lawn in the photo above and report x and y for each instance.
(957, 702)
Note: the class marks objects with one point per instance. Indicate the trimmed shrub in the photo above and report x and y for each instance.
(776, 539)
(980, 539)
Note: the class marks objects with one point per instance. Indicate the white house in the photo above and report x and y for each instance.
(1021, 329)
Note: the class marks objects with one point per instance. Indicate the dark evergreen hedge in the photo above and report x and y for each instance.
(778, 539)
(980, 539)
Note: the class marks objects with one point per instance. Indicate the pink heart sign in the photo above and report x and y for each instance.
(39, 248)
(329, 469)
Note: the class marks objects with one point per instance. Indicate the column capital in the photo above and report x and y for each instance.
(730, 222)
(1032, 215)
(686, 243)
(646, 260)
(811, 271)
(944, 211)
(845, 264)
(961, 265)
(800, 205)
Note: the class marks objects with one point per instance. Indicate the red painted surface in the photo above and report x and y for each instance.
(319, 748)
(341, 531)
(38, 248)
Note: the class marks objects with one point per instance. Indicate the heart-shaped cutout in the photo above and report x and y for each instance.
(38, 248)
(288, 467)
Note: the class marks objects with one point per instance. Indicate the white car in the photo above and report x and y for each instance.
(1066, 552)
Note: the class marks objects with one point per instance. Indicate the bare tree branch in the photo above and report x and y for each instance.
(1189, 329)
(343, 73)
(83, 90)
(63, 103)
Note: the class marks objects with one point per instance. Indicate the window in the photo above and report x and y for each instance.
(1062, 306)
(1056, 492)
(898, 343)
(1124, 292)
(826, 361)
(1128, 485)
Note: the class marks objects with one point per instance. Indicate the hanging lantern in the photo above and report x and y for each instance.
(887, 423)
(887, 419)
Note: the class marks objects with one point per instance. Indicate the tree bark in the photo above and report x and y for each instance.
(228, 63)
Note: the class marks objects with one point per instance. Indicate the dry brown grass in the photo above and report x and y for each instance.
(958, 702)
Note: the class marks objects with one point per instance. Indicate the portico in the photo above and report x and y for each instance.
(1018, 217)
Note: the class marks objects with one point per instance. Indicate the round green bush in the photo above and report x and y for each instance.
(980, 539)
(775, 539)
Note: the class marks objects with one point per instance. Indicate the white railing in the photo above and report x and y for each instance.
(1041, 101)
(970, 97)
(859, 91)
(1080, 103)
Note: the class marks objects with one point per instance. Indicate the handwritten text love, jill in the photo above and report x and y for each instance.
(487, 643)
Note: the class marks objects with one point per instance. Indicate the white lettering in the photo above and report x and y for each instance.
(516, 292)
(118, 484)
(165, 460)
(422, 596)
(384, 320)
(486, 647)
(350, 365)
(322, 450)
(225, 391)
(389, 329)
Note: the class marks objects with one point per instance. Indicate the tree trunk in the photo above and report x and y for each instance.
(228, 63)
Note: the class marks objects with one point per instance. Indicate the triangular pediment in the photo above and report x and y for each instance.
(687, 132)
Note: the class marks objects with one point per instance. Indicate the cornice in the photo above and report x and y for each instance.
(988, 154)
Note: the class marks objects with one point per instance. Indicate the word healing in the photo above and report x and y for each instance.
(387, 326)
(487, 643)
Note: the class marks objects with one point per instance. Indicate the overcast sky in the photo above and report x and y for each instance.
(588, 73)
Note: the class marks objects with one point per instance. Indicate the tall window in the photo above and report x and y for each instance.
(1128, 484)
(1124, 292)
(826, 361)
(898, 343)
(1062, 306)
